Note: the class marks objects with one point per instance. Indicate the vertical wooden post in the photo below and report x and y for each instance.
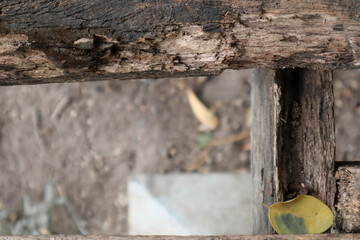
(263, 145)
(348, 198)
(293, 138)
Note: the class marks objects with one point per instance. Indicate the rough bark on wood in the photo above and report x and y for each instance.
(76, 40)
(263, 237)
(306, 134)
(293, 138)
(348, 198)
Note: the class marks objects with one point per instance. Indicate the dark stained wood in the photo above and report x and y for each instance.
(263, 237)
(293, 138)
(306, 134)
(76, 40)
(348, 198)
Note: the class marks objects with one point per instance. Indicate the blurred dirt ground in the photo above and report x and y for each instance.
(89, 138)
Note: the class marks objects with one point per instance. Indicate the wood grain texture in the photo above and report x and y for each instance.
(348, 198)
(306, 134)
(293, 138)
(73, 40)
(263, 146)
(263, 237)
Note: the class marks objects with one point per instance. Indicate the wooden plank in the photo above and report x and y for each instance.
(306, 134)
(76, 40)
(263, 141)
(293, 138)
(263, 237)
(348, 198)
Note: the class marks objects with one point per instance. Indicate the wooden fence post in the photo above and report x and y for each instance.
(348, 198)
(263, 145)
(293, 138)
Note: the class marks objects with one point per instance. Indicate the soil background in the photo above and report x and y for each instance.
(89, 138)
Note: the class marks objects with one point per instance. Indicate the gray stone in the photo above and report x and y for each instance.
(190, 204)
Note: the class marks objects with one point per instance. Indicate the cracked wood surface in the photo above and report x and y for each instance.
(348, 198)
(74, 40)
(292, 139)
(263, 237)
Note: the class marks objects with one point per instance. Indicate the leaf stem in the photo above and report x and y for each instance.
(267, 206)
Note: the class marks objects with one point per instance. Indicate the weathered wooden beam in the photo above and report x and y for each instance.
(348, 198)
(293, 138)
(306, 134)
(265, 111)
(263, 237)
(76, 40)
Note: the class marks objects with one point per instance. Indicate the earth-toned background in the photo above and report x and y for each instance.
(89, 138)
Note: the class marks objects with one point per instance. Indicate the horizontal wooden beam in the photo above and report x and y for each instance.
(259, 237)
(76, 40)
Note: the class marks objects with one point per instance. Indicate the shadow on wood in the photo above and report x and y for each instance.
(293, 138)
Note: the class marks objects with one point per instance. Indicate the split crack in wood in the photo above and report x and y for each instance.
(177, 38)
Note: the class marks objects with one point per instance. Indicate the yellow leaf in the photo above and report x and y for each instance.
(202, 113)
(302, 215)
